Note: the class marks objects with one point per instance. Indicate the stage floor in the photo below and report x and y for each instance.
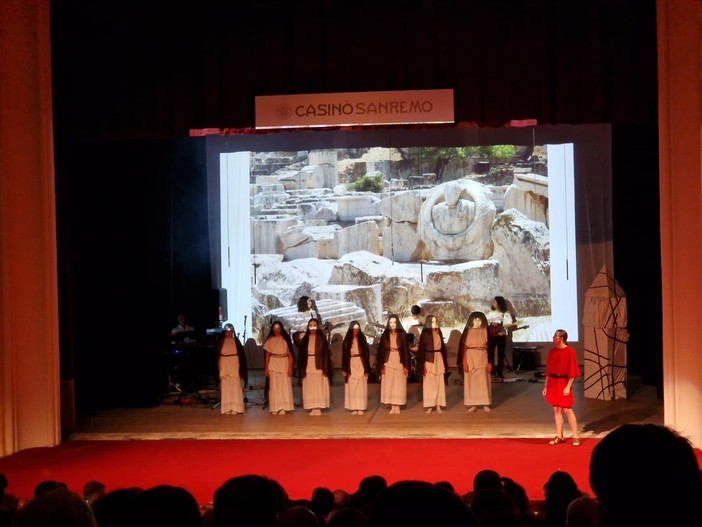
(518, 410)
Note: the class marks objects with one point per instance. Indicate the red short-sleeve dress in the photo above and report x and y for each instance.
(561, 365)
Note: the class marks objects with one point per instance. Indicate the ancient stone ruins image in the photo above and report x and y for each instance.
(372, 231)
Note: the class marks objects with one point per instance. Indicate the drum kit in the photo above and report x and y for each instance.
(373, 331)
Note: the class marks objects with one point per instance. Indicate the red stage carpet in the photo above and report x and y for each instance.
(299, 465)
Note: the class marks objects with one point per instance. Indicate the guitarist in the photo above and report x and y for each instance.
(501, 317)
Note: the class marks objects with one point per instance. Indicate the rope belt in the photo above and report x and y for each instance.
(279, 356)
(557, 376)
(355, 355)
(234, 355)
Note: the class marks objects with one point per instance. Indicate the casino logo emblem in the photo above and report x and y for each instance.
(283, 112)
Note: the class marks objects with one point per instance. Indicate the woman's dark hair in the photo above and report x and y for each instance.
(398, 323)
(473, 316)
(302, 304)
(501, 303)
(427, 322)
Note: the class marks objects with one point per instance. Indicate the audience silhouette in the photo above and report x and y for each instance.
(640, 474)
(559, 490)
(646, 474)
(368, 489)
(248, 500)
(583, 512)
(322, 502)
(55, 507)
(419, 503)
(8, 503)
(92, 491)
(167, 506)
(118, 508)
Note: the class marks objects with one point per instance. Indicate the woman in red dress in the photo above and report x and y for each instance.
(561, 371)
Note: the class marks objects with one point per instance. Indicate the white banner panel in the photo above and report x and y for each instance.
(355, 108)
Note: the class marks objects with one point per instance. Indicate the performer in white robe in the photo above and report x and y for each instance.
(232, 371)
(314, 367)
(393, 354)
(432, 364)
(279, 370)
(355, 367)
(473, 361)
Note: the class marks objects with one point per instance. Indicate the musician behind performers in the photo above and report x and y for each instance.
(306, 311)
(501, 317)
(415, 327)
(182, 326)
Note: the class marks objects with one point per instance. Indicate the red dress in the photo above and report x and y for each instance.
(561, 365)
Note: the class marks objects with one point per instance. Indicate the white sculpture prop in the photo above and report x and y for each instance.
(456, 220)
(606, 336)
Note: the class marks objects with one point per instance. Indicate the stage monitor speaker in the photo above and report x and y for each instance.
(215, 299)
(222, 295)
(524, 359)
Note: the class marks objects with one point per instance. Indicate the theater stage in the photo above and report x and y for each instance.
(518, 411)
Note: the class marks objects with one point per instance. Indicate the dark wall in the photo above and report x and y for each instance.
(131, 79)
(637, 257)
(133, 236)
(145, 69)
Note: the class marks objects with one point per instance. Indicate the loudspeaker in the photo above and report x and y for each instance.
(524, 359)
(222, 296)
(213, 300)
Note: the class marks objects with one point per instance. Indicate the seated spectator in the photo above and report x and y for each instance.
(368, 489)
(298, 516)
(118, 508)
(419, 503)
(92, 491)
(493, 507)
(342, 499)
(47, 485)
(446, 485)
(583, 512)
(483, 479)
(519, 497)
(322, 502)
(348, 517)
(53, 508)
(167, 506)
(646, 474)
(248, 500)
(8, 502)
(559, 491)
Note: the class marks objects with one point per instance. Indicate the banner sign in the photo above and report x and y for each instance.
(354, 108)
